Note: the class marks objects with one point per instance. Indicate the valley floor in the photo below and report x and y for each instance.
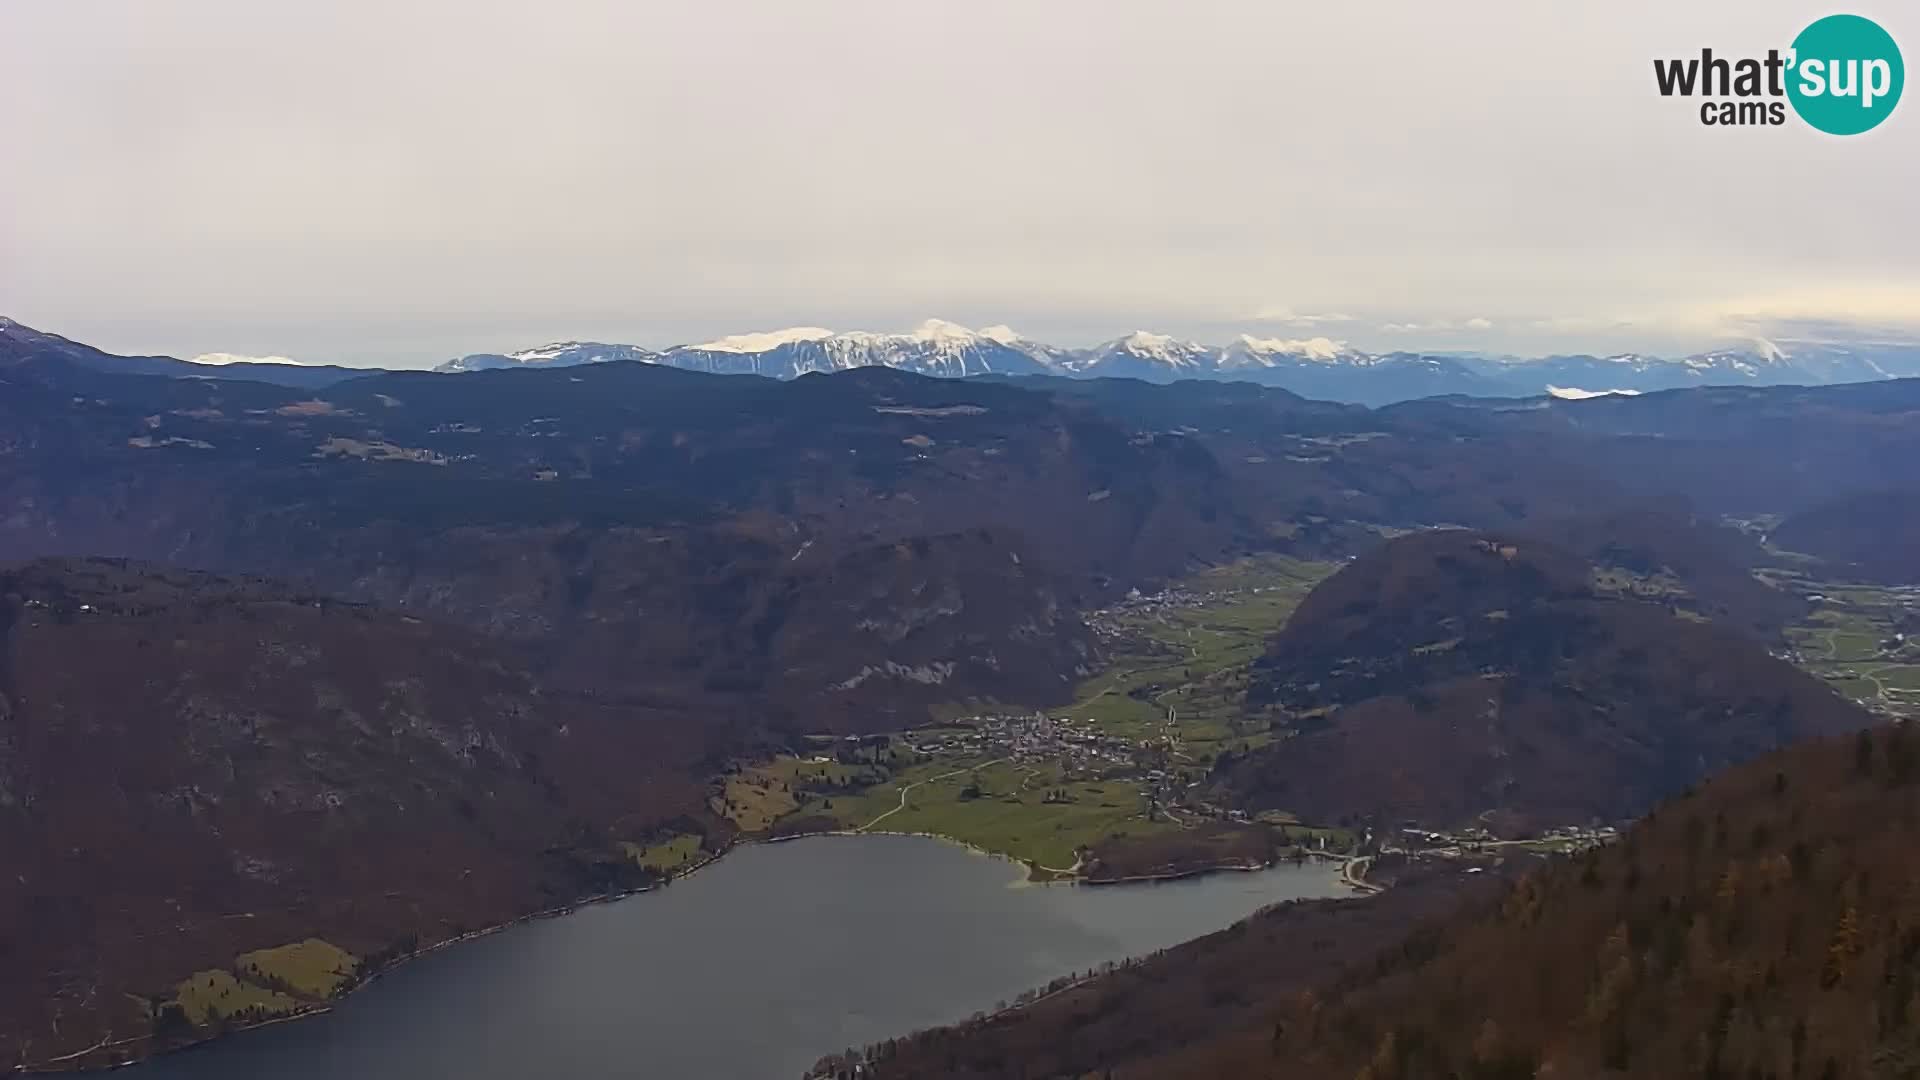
(1122, 773)
(1861, 639)
(1127, 761)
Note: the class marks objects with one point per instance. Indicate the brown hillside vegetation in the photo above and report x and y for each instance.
(193, 768)
(827, 549)
(636, 526)
(1450, 676)
(1875, 534)
(1766, 925)
(1660, 550)
(1188, 995)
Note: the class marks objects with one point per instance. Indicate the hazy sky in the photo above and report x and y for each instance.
(409, 180)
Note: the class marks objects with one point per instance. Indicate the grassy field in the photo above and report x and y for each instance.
(667, 856)
(266, 983)
(311, 968)
(1191, 655)
(207, 996)
(756, 797)
(854, 809)
(1849, 640)
(753, 802)
(1028, 812)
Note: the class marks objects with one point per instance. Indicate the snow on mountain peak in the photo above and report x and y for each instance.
(218, 359)
(1574, 393)
(1314, 348)
(940, 331)
(1161, 347)
(764, 342)
(1313, 365)
(938, 334)
(545, 353)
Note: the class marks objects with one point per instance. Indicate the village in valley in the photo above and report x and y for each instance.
(1132, 758)
(1862, 638)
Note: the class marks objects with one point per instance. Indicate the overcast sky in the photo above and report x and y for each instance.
(409, 180)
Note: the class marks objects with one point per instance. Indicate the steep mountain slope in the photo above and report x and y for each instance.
(1874, 534)
(1188, 996)
(1767, 924)
(1661, 551)
(194, 767)
(1144, 355)
(1450, 677)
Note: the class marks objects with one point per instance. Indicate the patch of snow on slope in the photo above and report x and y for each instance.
(1315, 348)
(544, 353)
(765, 342)
(218, 359)
(1159, 347)
(1574, 393)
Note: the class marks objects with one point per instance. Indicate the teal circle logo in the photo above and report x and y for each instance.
(1846, 74)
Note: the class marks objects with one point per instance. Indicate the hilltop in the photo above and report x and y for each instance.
(1452, 677)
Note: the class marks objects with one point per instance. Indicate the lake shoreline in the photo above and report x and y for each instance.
(101, 1057)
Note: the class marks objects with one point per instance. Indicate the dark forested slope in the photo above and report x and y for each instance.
(194, 767)
(1765, 925)
(1874, 534)
(1451, 676)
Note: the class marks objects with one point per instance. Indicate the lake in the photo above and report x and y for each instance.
(752, 968)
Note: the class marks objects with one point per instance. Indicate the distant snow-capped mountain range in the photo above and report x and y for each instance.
(935, 348)
(1315, 367)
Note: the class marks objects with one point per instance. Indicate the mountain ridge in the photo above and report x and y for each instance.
(1318, 367)
(1454, 676)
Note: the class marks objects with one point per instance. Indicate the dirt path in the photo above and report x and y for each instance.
(905, 790)
(1079, 861)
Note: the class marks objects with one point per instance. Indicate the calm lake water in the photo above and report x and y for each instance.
(752, 968)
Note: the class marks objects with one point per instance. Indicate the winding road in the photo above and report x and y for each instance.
(1353, 872)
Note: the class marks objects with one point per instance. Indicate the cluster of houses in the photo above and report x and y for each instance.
(1077, 744)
